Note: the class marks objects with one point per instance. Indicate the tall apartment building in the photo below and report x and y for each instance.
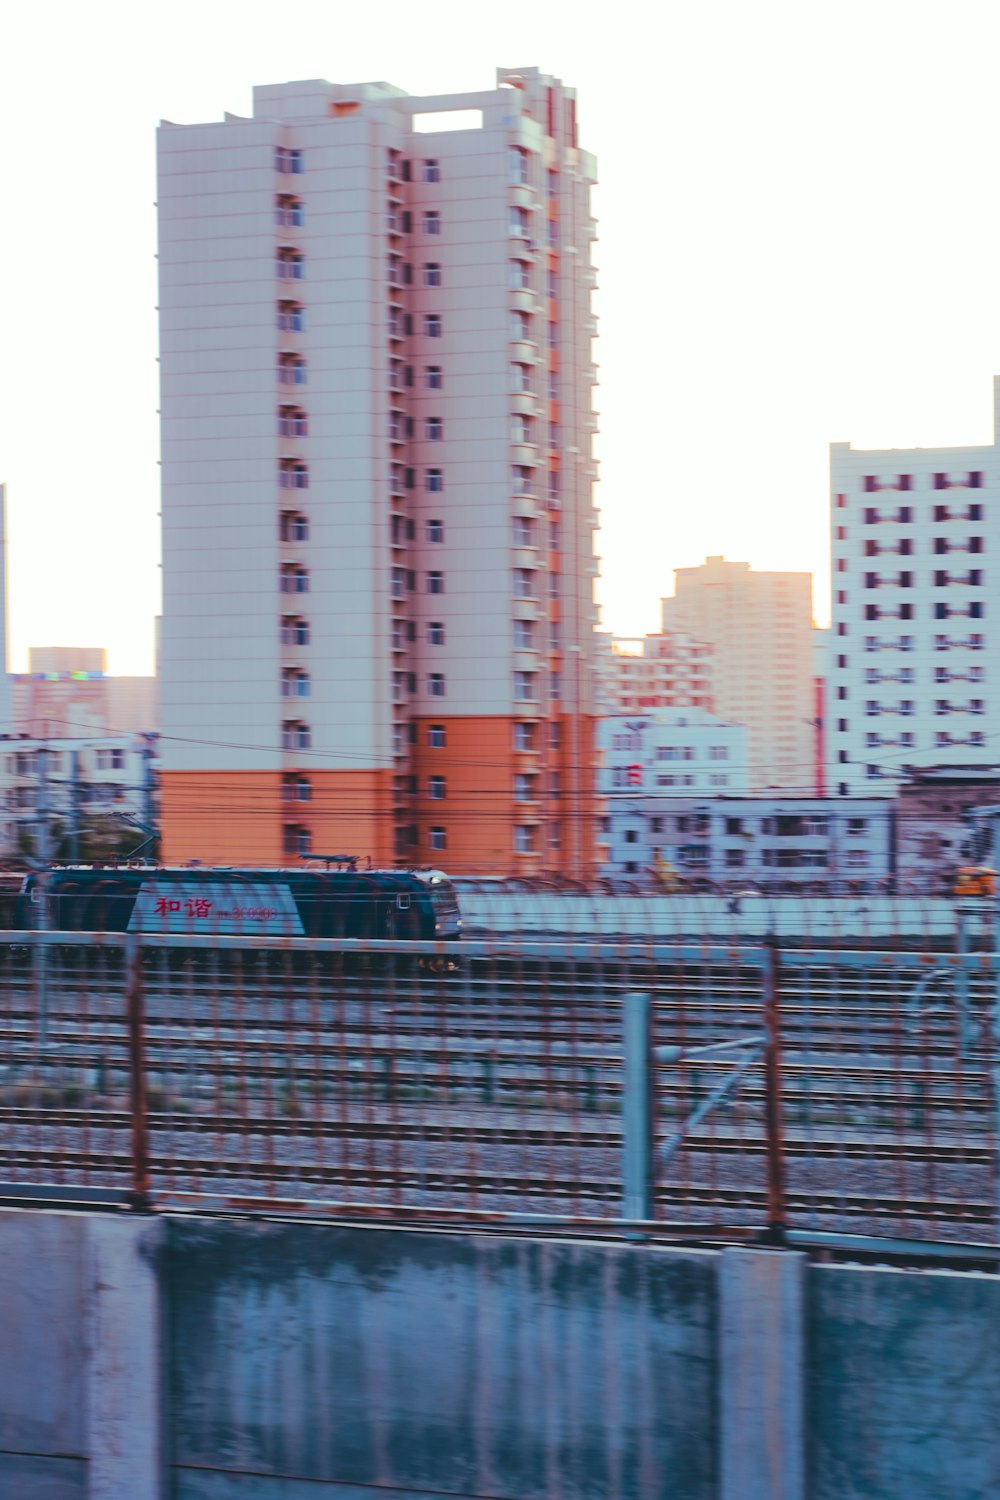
(671, 670)
(915, 652)
(760, 628)
(377, 478)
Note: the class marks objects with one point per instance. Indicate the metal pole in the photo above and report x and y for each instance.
(139, 1196)
(43, 854)
(74, 807)
(637, 1111)
(962, 983)
(774, 1125)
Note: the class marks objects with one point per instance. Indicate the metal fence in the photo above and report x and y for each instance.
(738, 1088)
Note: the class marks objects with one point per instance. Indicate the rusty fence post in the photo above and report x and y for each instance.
(774, 1123)
(637, 1107)
(135, 1018)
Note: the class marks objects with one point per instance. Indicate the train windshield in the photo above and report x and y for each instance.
(447, 921)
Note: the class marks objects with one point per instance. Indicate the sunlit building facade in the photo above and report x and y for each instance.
(759, 625)
(378, 521)
(914, 656)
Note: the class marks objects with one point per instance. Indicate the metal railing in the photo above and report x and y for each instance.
(705, 1088)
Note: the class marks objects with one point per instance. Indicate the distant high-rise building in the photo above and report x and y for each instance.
(759, 626)
(914, 659)
(377, 479)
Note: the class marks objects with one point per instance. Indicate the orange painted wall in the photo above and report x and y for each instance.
(237, 817)
(479, 811)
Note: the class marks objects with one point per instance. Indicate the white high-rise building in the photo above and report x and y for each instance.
(377, 478)
(914, 654)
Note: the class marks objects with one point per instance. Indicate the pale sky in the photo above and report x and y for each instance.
(797, 245)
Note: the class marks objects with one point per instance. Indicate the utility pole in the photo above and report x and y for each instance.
(74, 806)
(149, 817)
(992, 817)
(43, 855)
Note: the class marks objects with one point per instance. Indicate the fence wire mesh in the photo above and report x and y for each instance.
(483, 1078)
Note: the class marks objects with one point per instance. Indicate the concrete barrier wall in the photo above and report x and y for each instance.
(429, 1364)
(186, 1359)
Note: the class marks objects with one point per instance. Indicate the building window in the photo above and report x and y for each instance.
(437, 788)
(524, 635)
(107, 760)
(525, 736)
(520, 222)
(294, 632)
(435, 531)
(437, 838)
(295, 683)
(523, 529)
(437, 736)
(525, 838)
(295, 735)
(292, 369)
(433, 429)
(431, 171)
(555, 685)
(433, 378)
(293, 474)
(435, 684)
(520, 275)
(290, 265)
(434, 481)
(525, 787)
(432, 326)
(524, 687)
(292, 422)
(520, 327)
(517, 163)
(291, 317)
(520, 378)
(288, 161)
(294, 579)
(432, 223)
(524, 583)
(435, 582)
(432, 274)
(435, 633)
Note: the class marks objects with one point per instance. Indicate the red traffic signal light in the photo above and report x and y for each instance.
(634, 777)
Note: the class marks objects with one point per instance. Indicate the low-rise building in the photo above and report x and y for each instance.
(934, 833)
(753, 842)
(672, 752)
(96, 795)
(67, 692)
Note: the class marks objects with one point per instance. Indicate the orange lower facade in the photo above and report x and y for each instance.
(477, 827)
(242, 817)
(479, 814)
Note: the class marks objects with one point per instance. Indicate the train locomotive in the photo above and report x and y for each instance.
(402, 905)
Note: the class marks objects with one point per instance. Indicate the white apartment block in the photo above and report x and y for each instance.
(914, 660)
(378, 523)
(765, 843)
(87, 786)
(670, 670)
(672, 753)
(759, 626)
